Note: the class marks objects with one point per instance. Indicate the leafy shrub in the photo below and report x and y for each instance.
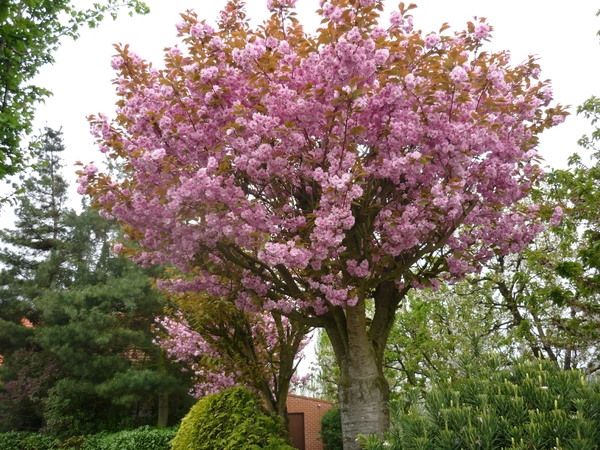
(143, 438)
(26, 377)
(525, 406)
(73, 443)
(231, 420)
(39, 441)
(26, 440)
(11, 439)
(331, 430)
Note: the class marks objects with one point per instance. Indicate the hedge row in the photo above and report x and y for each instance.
(144, 438)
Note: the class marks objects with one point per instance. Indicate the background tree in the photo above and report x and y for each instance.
(313, 176)
(86, 314)
(432, 333)
(30, 32)
(224, 346)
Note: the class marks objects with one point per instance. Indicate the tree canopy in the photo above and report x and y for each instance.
(30, 32)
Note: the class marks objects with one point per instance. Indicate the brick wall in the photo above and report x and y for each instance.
(313, 409)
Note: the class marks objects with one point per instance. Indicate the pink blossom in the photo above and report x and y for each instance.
(482, 31)
(410, 81)
(272, 5)
(332, 12)
(358, 270)
(117, 62)
(431, 40)
(556, 216)
(209, 73)
(396, 19)
(90, 169)
(458, 75)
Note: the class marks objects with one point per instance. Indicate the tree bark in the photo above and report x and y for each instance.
(163, 410)
(363, 389)
(364, 397)
(163, 396)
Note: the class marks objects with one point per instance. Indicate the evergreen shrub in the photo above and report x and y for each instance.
(143, 438)
(233, 419)
(527, 405)
(10, 440)
(27, 440)
(331, 430)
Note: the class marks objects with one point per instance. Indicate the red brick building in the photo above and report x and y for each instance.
(305, 421)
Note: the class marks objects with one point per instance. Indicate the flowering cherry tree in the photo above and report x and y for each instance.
(226, 347)
(323, 176)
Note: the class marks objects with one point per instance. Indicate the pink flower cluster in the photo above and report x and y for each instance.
(213, 369)
(186, 346)
(295, 173)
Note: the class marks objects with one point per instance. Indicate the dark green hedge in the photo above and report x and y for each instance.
(24, 440)
(144, 438)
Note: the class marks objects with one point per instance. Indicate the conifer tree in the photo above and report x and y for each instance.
(70, 303)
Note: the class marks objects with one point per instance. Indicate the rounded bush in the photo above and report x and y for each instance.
(331, 430)
(231, 420)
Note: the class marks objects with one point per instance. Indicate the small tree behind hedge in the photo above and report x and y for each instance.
(233, 419)
(528, 405)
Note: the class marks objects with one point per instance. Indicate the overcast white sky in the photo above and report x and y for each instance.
(563, 37)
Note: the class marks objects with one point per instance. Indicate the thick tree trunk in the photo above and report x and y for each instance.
(364, 396)
(363, 390)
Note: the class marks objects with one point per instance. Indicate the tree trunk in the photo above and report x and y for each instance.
(163, 410)
(363, 390)
(364, 396)
(163, 396)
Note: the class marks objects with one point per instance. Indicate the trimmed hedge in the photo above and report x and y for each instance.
(231, 420)
(144, 438)
(26, 440)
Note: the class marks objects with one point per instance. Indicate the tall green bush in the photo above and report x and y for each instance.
(527, 405)
(231, 420)
(331, 430)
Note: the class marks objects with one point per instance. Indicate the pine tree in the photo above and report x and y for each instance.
(30, 261)
(91, 311)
